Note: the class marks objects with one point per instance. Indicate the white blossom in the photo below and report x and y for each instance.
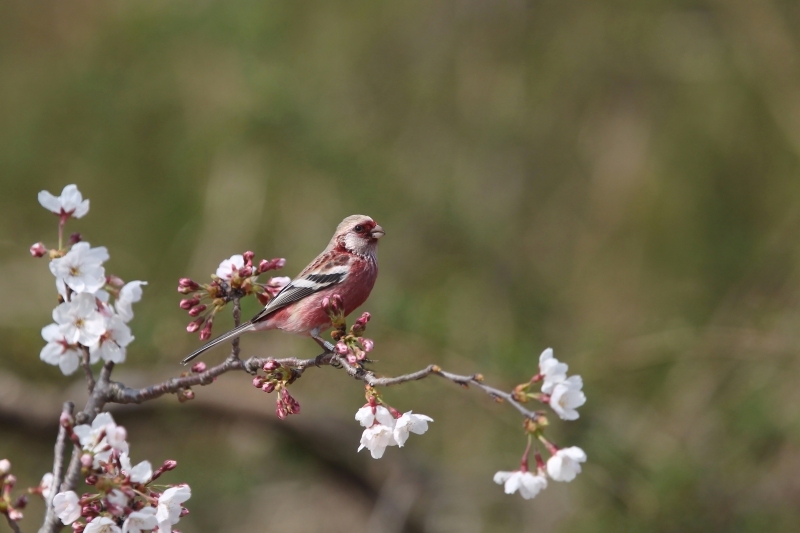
(129, 294)
(102, 524)
(138, 521)
(230, 266)
(567, 396)
(410, 422)
(58, 351)
(111, 345)
(79, 321)
(564, 465)
(118, 498)
(46, 486)
(94, 438)
(527, 484)
(5, 467)
(553, 370)
(81, 269)
(116, 437)
(376, 439)
(169, 507)
(66, 506)
(367, 418)
(141, 473)
(70, 202)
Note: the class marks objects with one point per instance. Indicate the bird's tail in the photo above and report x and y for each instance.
(232, 334)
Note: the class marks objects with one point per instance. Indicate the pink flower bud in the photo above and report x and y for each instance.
(268, 387)
(188, 394)
(196, 310)
(271, 365)
(91, 480)
(246, 271)
(87, 460)
(280, 410)
(278, 263)
(188, 283)
(199, 367)
(263, 266)
(188, 303)
(184, 511)
(194, 325)
(87, 511)
(78, 527)
(11, 480)
(21, 502)
(351, 358)
(258, 382)
(205, 334)
(75, 238)
(66, 420)
(341, 348)
(38, 250)
(294, 408)
(367, 344)
(114, 281)
(248, 257)
(169, 464)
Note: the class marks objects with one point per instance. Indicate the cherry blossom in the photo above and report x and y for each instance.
(79, 321)
(118, 498)
(141, 473)
(229, 267)
(553, 370)
(527, 484)
(376, 439)
(102, 524)
(111, 345)
(567, 396)
(564, 465)
(58, 351)
(5, 467)
(69, 204)
(67, 506)
(138, 521)
(129, 294)
(366, 417)
(410, 422)
(46, 486)
(94, 438)
(169, 506)
(81, 269)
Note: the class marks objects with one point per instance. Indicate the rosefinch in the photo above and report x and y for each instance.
(347, 267)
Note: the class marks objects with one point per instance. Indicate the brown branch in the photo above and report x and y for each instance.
(51, 519)
(87, 369)
(13, 524)
(237, 318)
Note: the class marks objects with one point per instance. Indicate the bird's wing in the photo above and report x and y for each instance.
(313, 279)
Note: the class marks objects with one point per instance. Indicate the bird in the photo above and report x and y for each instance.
(348, 266)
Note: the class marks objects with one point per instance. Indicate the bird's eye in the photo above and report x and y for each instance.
(359, 228)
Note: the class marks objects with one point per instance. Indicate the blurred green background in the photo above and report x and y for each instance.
(618, 180)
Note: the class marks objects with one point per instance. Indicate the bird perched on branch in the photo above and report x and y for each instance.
(347, 267)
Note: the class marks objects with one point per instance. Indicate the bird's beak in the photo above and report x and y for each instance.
(377, 232)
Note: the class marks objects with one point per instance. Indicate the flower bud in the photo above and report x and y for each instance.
(188, 283)
(11, 480)
(169, 464)
(205, 334)
(258, 382)
(271, 365)
(87, 460)
(246, 271)
(263, 266)
(78, 527)
(194, 325)
(367, 344)
(184, 511)
(268, 387)
(188, 303)
(14, 515)
(91, 480)
(280, 410)
(341, 348)
(38, 250)
(248, 257)
(199, 367)
(196, 310)
(75, 238)
(352, 359)
(278, 263)
(21, 502)
(5, 467)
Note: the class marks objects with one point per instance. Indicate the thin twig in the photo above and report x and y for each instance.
(237, 318)
(13, 524)
(87, 369)
(51, 519)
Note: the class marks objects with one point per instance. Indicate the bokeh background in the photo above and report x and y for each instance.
(616, 179)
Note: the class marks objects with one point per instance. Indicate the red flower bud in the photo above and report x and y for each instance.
(268, 387)
(38, 250)
(246, 271)
(263, 266)
(188, 303)
(258, 382)
(78, 527)
(248, 257)
(199, 367)
(196, 310)
(91, 480)
(341, 348)
(21, 502)
(194, 325)
(205, 334)
(280, 410)
(75, 238)
(169, 464)
(271, 365)
(189, 283)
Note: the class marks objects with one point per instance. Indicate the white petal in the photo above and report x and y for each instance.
(50, 333)
(82, 209)
(142, 472)
(546, 354)
(502, 476)
(69, 362)
(49, 202)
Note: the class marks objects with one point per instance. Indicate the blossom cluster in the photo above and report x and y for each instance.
(352, 346)
(385, 426)
(564, 394)
(236, 277)
(9, 506)
(278, 377)
(125, 499)
(87, 323)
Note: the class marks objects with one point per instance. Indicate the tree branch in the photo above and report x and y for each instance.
(13, 524)
(87, 369)
(51, 519)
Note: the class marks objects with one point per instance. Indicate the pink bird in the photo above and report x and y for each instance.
(347, 267)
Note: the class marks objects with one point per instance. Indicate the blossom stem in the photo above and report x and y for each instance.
(552, 448)
(87, 369)
(51, 519)
(523, 465)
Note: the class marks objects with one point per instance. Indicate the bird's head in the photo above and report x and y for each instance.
(358, 234)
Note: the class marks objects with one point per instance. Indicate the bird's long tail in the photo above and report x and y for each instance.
(232, 334)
